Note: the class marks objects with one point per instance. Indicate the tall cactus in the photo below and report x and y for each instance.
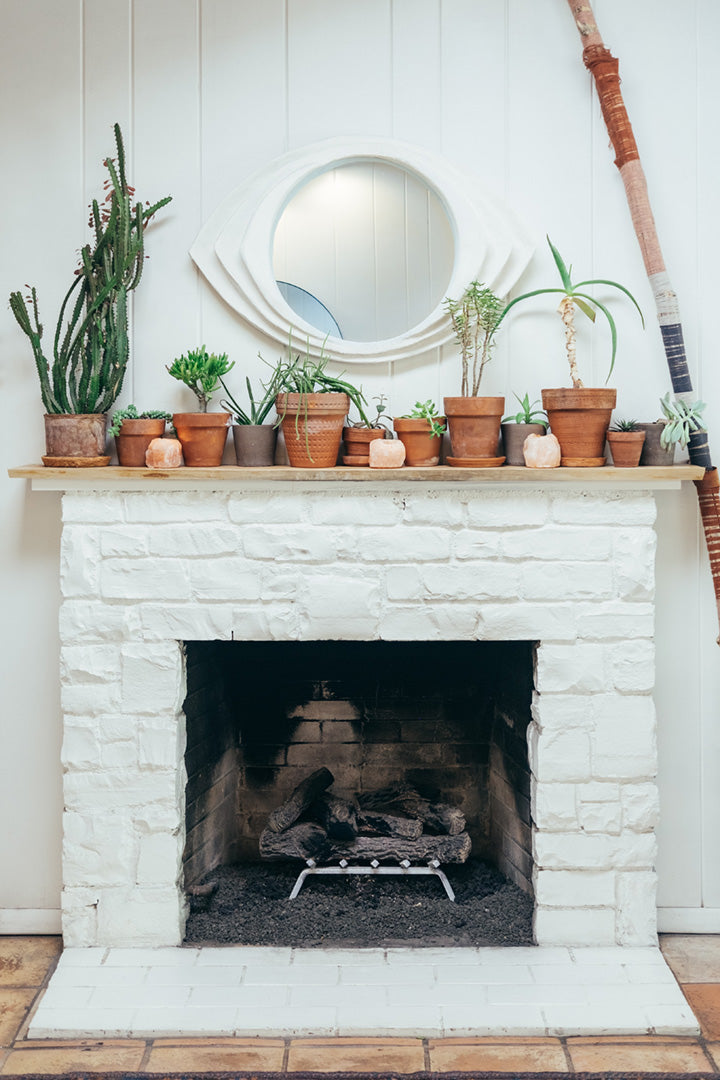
(90, 347)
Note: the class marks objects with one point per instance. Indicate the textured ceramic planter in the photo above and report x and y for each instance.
(579, 419)
(134, 438)
(202, 437)
(652, 452)
(422, 448)
(312, 426)
(474, 425)
(626, 448)
(514, 436)
(75, 439)
(254, 444)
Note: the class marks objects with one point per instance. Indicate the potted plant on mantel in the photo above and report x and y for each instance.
(134, 431)
(517, 426)
(626, 442)
(579, 416)
(202, 434)
(358, 436)
(90, 346)
(473, 421)
(254, 440)
(312, 405)
(421, 431)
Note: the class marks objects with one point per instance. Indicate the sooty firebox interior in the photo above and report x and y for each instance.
(446, 719)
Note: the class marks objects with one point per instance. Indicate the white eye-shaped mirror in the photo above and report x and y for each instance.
(407, 230)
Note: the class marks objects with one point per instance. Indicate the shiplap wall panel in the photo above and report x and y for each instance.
(205, 96)
(43, 222)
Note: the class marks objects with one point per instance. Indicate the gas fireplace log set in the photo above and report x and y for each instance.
(394, 824)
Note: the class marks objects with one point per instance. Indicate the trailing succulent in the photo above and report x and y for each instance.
(427, 410)
(90, 345)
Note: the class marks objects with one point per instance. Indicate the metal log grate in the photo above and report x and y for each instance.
(404, 869)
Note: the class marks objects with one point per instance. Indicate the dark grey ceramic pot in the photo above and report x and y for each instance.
(513, 437)
(652, 451)
(254, 444)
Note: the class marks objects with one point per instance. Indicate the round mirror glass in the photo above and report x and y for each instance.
(364, 251)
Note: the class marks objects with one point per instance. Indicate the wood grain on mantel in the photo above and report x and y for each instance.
(233, 477)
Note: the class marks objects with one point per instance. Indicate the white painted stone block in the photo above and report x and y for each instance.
(159, 859)
(618, 619)
(89, 699)
(584, 851)
(623, 742)
(96, 507)
(152, 677)
(578, 926)
(475, 544)
(559, 755)
(632, 666)
(640, 806)
(575, 888)
(613, 508)
(140, 579)
(289, 543)
(125, 541)
(599, 791)
(340, 510)
(431, 622)
(142, 916)
(636, 897)
(79, 561)
(634, 563)
(570, 668)
(191, 621)
(559, 542)
(491, 580)
(98, 849)
(83, 620)
(600, 817)
(554, 807)
(179, 507)
(80, 746)
(404, 583)
(526, 622)
(557, 712)
(79, 916)
(502, 510)
(120, 755)
(403, 544)
(564, 580)
(89, 663)
(194, 540)
(214, 579)
(160, 746)
(431, 508)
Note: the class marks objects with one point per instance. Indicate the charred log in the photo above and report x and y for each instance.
(337, 816)
(440, 818)
(446, 849)
(304, 795)
(375, 823)
(304, 841)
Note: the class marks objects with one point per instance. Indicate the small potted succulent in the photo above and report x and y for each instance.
(134, 431)
(312, 405)
(358, 436)
(683, 420)
(626, 442)
(201, 434)
(579, 416)
(421, 432)
(254, 439)
(516, 427)
(474, 421)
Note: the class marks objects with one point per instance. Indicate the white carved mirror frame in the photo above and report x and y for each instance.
(234, 249)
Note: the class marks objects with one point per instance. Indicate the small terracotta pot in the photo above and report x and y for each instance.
(422, 448)
(514, 436)
(134, 438)
(202, 437)
(254, 444)
(312, 425)
(579, 419)
(626, 448)
(474, 425)
(357, 444)
(76, 439)
(652, 452)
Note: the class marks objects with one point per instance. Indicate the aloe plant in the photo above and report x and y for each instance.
(90, 346)
(572, 297)
(527, 414)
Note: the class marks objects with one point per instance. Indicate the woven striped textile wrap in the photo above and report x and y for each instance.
(605, 71)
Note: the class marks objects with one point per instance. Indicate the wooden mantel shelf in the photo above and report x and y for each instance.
(234, 478)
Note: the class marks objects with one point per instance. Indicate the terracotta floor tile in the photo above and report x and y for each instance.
(638, 1057)
(57, 1060)
(24, 961)
(370, 1056)
(356, 1040)
(513, 1056)
(693, 958)
(494, 1040)
(714, 1049)
(215, 1058)
(704, 1000)
(14, 1004)
(643, 1040)
(225, 1040)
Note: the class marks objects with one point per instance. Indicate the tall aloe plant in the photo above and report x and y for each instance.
(90, 347)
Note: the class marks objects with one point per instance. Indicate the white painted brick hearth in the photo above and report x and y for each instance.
(143, 572)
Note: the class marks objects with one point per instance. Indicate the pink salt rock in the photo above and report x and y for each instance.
(163, 454)
(541, 452)
(386, 454)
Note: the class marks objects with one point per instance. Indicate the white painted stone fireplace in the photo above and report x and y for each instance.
(147, 565)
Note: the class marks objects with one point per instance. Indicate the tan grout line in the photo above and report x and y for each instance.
(146, 1055)
(286, 1055)
(426, 1055)
(568, 1056)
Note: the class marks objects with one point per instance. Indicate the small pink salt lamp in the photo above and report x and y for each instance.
(386, 454)
(163, 454)
(541, 452)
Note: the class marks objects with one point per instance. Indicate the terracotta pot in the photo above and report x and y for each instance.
(579, 419)
(626, 448)
(202, 437)
(75, 439)
(312, 425)
(652, 452)
(422, 448)
(134, 438)
(254, 444)
(357, 444)
(514, 436)
(474, 425)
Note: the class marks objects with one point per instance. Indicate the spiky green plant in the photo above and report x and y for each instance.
(475, 318)
(90, 346)
(625, 425)
(201, 371)
(259, 407)
(528, 414)
(572, 297)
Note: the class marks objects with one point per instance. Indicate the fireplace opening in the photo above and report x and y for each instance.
(446, 721)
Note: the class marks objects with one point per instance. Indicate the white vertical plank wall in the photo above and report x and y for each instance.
(208, 91)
